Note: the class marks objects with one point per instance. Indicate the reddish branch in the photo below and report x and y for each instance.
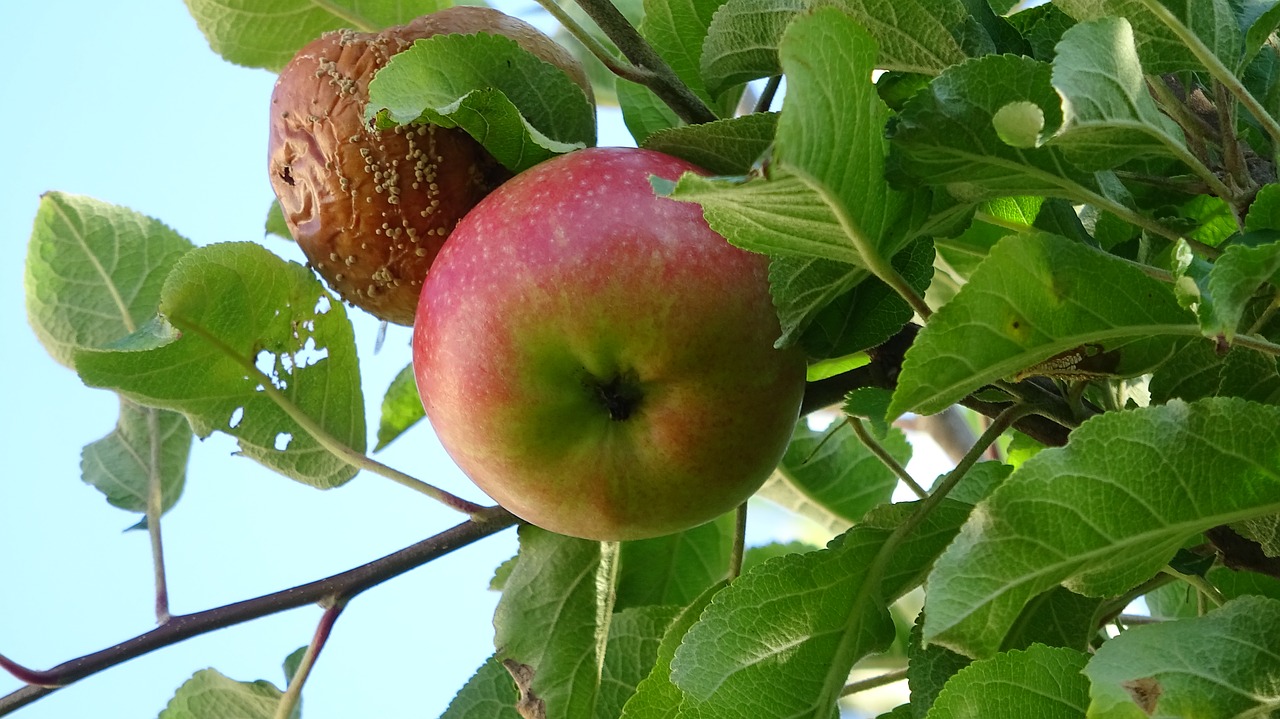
(337, 588)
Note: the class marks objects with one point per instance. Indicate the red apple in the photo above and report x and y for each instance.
(597, 359)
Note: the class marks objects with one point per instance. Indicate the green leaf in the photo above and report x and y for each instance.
(293, 662)
(1103, 513)
(148, 445)
(871, 312)
(94, 272)
(642, 111)
(1109, 117)
(247, 344)
(1041, 682)
(267, 33)
(1236, 276)
(946, 134)
(1198, 370)
(1264, 212)
(676, 568)
(401, 408)
(723, 147)
(780, 491)
(1224, 664)
(800, 621)
(803, 288)
(928, 669)
(1258, 20)
(1041, 304)
(980, 481)
(836, 470)
(1158, 32)
(870, 404)
(489, 694)
(828, 61)
(552, 623)
(210, 695)
(756, 556)
(1263, 530)
(656, 697)
(742, 41)
(1056, 618)
(924, 36)
(634, 636)
(676, 29)
(1042, 27)
(521, 108)
(276, 224)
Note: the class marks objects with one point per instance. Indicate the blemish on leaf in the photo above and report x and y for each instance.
(529, 705)
(1145, 693)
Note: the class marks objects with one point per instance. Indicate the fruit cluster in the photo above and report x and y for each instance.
(593, 356)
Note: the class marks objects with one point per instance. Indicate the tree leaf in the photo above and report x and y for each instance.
(946, 135)
(401, 408)
(1056, 618)
(1103, 513)
(275, 224)
(1198, 370)
(1224, 664)
(723, 147)
(1264, 212)
(924, 36)
(267, 33)
(836, 470)
(1041, 682)
(634, 636)
(676, 29)
(1042, 27)
(210, 695)
(553, 620)
(828, 61)
(803, 287)
(488, 694)
(1035, 298)
(521, 108)
(800, 621)
(676, 568)
(1236, 276)
(871, 312)
(780, 491)
(1211, 22)
(1109, 117)
(656, 697)
(94, 272)
(742, 41)
(147, 444)
(928, 669)
(642, 111)
(235, 320)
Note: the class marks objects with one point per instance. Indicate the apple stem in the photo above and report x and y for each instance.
(664, 82)
(293, 694)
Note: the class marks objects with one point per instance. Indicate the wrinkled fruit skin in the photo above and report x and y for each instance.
(597, 359)
(371, 208)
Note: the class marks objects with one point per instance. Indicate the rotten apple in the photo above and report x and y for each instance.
(597, 359)
(370, 208)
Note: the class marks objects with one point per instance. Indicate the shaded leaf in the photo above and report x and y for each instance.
(723, 147)
(835, 469)
(1198, 370)
(1039, 682)
(489, 694)
(275, 224)
(1224, 664)
(656, 697)
(1103, 513)
(642, 111)
(1040, 304)
(401, 407)
(676, 568)
(928, 669)
(1159, 35)
(634, 636)
(742, 41)
(147, 445)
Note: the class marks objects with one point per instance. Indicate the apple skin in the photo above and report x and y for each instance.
(597, 359)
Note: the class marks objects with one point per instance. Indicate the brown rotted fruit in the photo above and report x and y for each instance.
(370, 208)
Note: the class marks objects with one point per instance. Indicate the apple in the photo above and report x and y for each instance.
(597, 359)
(370, 208)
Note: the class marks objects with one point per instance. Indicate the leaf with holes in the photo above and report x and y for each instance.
(252, 346)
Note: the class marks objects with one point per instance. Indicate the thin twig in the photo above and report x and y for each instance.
(766, 97)
(155, 508)
(665, 83)
(739, 542)
(881, 680)
(338, 587)
(293, 694)
(624, 70)
(860, 429)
